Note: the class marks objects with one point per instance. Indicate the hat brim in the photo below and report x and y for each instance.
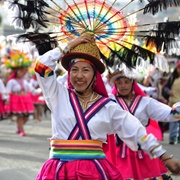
(114, 77)
(133, 75)
(65, 61)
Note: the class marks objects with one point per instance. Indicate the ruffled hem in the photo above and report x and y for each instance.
(166, 176)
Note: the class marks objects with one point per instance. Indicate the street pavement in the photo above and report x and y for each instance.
(22, 157)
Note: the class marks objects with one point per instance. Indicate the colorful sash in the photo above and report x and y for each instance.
(73, 148)
(132, 109)
(67, 150)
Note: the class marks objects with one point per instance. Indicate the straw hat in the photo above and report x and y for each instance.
(88, 51)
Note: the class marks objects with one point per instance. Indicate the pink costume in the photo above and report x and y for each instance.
(20, 101)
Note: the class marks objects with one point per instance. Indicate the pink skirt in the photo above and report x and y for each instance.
(78, 170)
(132, 167)
(2, 109)
(21, 103)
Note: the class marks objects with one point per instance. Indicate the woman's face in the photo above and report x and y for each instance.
(81, 74)
(124, 86)
(21, 72)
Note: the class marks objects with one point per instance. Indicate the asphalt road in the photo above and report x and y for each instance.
(22, 157)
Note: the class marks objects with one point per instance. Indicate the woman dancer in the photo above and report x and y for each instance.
(83, 115)
(138, 164)
(20, 102)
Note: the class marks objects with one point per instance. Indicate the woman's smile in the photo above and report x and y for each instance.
(81, 75)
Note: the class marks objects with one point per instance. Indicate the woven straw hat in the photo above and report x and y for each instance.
(88, 51)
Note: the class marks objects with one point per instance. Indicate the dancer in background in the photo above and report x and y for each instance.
(138, 164)
(20, 102)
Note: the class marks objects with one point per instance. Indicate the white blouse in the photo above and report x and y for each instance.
(14, 85)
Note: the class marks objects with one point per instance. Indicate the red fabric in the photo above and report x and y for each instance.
(99, 86)
(154, 129)
(12, 76)
(110, 149)
(34, 77)
(138, 90)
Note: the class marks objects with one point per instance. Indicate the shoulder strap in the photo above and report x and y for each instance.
(81, 128)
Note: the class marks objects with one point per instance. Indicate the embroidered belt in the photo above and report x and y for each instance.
(67, 150)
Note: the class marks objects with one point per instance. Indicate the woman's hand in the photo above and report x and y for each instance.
(173, 165)
(84, 38)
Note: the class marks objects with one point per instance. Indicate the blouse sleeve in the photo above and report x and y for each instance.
(46, 76)
(162, 112)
